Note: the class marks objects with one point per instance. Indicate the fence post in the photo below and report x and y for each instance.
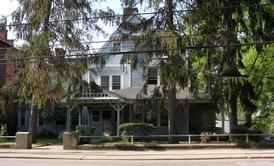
(247, 138)
(189, 139)
(131, 138)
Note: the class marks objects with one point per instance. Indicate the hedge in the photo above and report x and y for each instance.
(136, 128)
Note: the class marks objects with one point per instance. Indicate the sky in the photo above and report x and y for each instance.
(8, 6)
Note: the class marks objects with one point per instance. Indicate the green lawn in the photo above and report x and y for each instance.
(48, 141)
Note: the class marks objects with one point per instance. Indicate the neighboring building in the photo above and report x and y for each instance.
(123, 87)
(7, 79)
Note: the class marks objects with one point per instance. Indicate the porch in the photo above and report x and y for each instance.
(105, 111)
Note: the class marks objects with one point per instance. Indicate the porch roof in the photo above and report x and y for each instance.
(138, 92)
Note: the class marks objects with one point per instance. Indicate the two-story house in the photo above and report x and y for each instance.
(123, 88)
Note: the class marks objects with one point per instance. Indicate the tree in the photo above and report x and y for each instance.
(259, 67)
(224, 29)
(164, 47)
(42, 24)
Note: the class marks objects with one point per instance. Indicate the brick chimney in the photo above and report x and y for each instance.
(128, 11)
(3, 34)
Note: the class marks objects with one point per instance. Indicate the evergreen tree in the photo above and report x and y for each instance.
(163, 45)
(225, 29)
(42, 24)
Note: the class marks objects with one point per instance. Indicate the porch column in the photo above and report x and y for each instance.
(80, 117)
(118, 107)
(118, 122)
(187, 117)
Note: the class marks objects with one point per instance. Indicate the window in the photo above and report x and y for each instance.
(152, 76)
(116, 46)
(116, 82)
(23, 117)
(105, 82)
(95, 116)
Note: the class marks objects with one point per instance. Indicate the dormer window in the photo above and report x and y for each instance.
(116, 47)
(152, 76)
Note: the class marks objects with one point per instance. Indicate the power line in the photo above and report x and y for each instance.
(133, 37)
(96, 55)
(118, 16)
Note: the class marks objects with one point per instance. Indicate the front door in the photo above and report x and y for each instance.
(107, 122)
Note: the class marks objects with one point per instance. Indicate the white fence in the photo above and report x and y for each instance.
(191, 138)
(7, 138)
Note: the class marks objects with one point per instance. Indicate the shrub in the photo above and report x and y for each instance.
(83, 130)
(2, 133)
(139, 129)
(245, 130)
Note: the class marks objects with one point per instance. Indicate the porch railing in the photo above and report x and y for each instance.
(91, 95)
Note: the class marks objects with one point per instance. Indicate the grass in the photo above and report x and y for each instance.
(48, 141)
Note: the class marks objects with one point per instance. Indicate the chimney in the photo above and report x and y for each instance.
(128, 11)
(3, 34)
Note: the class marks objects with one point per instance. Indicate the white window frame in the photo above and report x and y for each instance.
(116, 48)
(107, 76)
(112, 82)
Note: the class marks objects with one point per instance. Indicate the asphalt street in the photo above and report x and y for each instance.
(61, 162)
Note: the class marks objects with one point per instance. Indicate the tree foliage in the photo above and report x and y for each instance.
(43, 77)
(260, 70)
(224, 30)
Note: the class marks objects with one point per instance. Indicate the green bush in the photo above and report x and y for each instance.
(2, 133)
(245, 130)
(84, 130)
(139, 129)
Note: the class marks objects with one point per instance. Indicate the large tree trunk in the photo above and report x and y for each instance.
(231, 65)
(233, 120)
(172, 129)
(33, 123)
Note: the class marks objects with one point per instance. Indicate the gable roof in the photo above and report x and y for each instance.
(116, 33)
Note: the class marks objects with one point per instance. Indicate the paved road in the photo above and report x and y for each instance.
(44, 162)
(56, 152)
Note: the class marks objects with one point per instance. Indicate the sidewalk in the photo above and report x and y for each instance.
(57, 152)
